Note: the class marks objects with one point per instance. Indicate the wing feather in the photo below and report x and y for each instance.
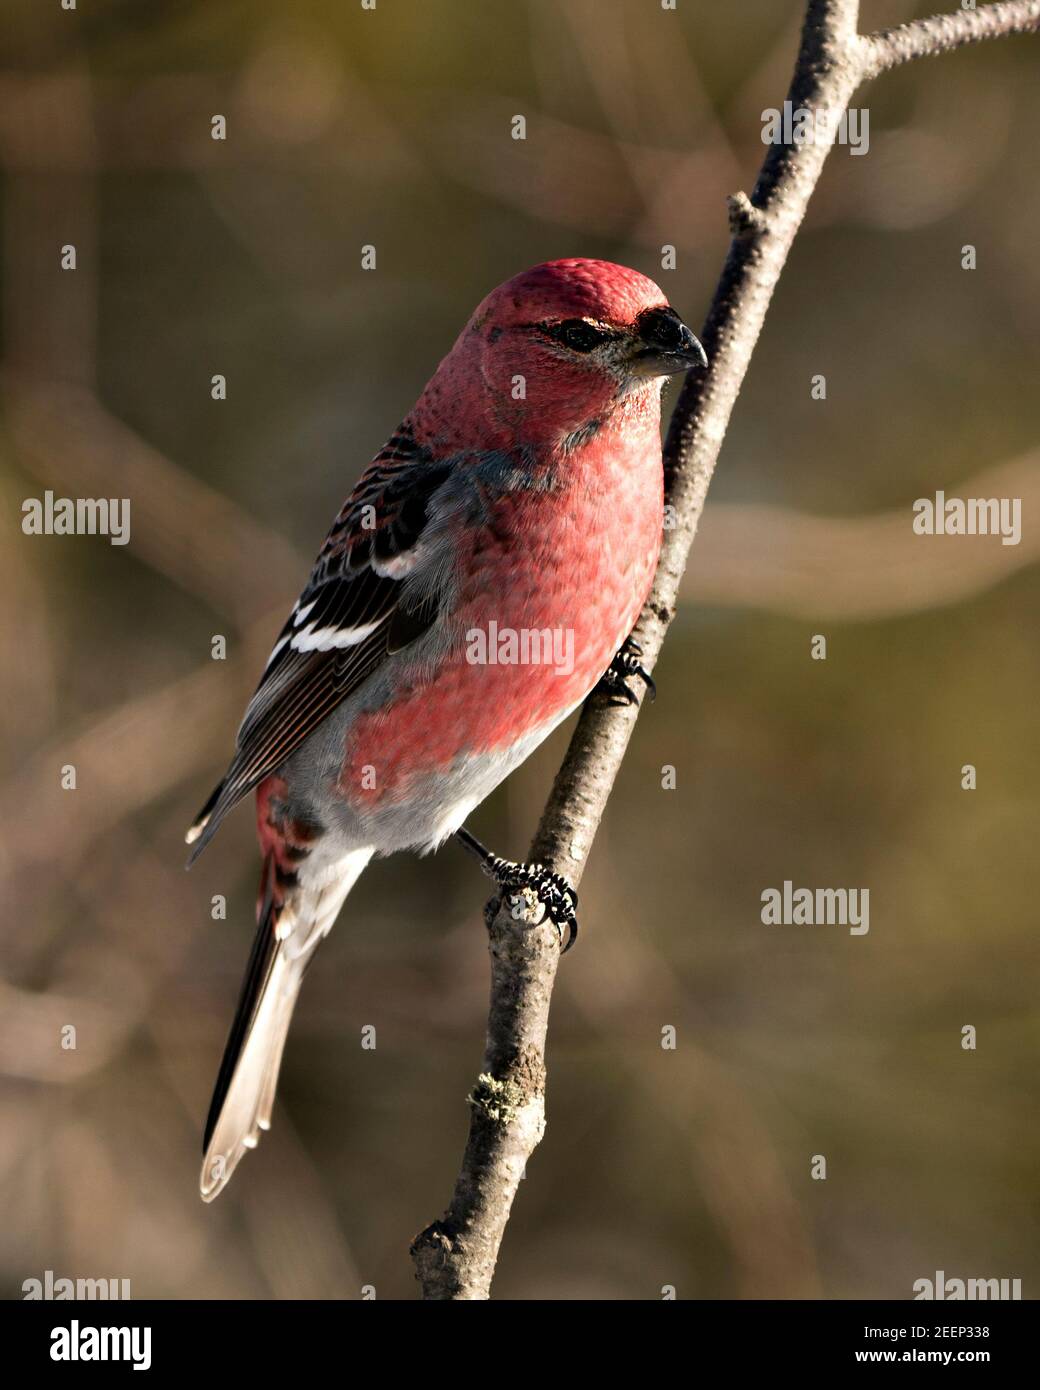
(353, 613)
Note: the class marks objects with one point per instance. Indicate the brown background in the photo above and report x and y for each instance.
(691, 1167)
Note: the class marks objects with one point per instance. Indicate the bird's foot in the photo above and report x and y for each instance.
(526, 886)
(626, 664)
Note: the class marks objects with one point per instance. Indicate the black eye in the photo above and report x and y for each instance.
(576, 334)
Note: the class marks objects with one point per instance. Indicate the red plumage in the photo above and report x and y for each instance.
(522, 496)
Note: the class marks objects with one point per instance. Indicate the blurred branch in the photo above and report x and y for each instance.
(455, 1257)
(166, 730)
(183, 528)
(50, 321)
(857, 568)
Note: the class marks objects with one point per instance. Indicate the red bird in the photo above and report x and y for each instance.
(477, 584)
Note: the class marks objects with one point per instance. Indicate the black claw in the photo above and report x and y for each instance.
(625, 664)
(555, 894)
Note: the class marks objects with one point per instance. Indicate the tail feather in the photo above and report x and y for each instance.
(261, 962)
(279, 1032)
(288, 934)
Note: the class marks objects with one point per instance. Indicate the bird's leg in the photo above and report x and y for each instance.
(553, 891)
(626, 663)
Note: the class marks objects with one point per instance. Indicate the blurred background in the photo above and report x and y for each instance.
(242, 257)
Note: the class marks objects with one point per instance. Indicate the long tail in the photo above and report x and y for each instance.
(290, 928)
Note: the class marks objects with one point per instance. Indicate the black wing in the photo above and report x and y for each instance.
(354, 611)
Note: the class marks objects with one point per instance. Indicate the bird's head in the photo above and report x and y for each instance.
(565, 343)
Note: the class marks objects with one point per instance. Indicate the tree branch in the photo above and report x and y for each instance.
(455, 1256)
(923, 38)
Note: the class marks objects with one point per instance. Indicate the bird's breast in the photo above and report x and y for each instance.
(548, 585)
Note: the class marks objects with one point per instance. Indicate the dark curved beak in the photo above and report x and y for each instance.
(664, 344)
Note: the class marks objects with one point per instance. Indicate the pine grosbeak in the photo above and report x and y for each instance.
(471, 593)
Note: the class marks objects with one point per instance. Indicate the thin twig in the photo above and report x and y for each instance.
(924, 38)
(455, 1256)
